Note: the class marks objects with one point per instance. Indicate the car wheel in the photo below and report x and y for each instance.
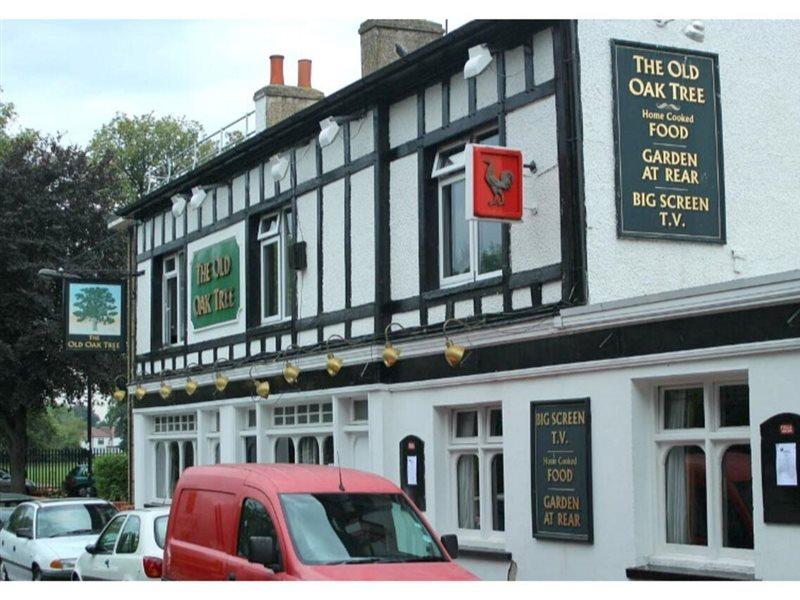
(75, 576)
(3, 572)
(36, 573)
(83, 492)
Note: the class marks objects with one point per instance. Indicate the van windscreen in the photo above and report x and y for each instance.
(357, 528)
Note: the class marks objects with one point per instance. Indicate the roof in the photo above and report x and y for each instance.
(390, 83)
(292, 478)
(103, 432)
(66, 501)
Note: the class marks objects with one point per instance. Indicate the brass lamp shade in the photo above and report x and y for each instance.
(140, 392)
(454, 353)
(165, 390)
(119, 395)
(262, 388)
(220, 382)
(291, 373)
(390, 355)
(191, 386)
(333, 365)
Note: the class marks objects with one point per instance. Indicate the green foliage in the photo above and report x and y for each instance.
(133, 144)
(95, 304)
(111, 476)
(117, 417)
(55, 428)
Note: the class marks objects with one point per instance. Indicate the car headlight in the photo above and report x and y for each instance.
(63, 564)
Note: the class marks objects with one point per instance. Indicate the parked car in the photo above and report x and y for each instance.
(8, 502)
(130, 548)
(79, 483)
(43, 538)
(287, 522)
(5, 483)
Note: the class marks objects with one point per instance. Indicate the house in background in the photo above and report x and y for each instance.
(104, 438)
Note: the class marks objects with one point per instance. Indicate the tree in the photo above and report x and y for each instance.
(95, 304)
(136, 144)
(117, 417)
(53, 206)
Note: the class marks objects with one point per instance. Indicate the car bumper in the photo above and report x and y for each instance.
(63, 575)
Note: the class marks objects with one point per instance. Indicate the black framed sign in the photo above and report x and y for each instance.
(561, 470)
(94, 315)
(667, 143)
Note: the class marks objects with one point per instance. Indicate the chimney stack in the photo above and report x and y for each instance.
(276, 101)
(383, 41)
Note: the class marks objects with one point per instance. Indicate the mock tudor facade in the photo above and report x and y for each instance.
(606, 419)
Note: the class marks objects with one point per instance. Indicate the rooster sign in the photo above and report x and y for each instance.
(493, 183)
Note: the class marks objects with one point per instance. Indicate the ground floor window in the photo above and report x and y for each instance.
(171, 457)
(706, 483)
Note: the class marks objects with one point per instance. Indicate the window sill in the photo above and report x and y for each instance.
(484, 553)
(665, 573)
(480, 284)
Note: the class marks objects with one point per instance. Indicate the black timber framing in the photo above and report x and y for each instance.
(320, 233)
(763, 324)
(381, 218)
(348, 219)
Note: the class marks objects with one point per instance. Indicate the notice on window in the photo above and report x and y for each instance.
(786, 464)
(411, 470)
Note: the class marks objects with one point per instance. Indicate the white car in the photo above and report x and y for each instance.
(43, 538)
(130, 548)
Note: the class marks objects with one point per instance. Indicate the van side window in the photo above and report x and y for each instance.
(255, 521)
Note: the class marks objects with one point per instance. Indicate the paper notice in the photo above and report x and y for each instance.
(786, 463)
(411, 470)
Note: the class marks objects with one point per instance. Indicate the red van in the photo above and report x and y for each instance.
(291, 522)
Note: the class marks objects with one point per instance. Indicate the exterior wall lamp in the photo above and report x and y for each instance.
(453, 353)
(329, 129)
(390, 354)
(479, 59)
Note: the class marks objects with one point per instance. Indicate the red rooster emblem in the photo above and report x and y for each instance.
(498, 185)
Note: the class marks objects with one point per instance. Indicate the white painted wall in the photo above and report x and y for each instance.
(333, 272)
(403, 225)
(307, 232)
(760, 161)
(403, 121)
(143, 306)
(362, 237)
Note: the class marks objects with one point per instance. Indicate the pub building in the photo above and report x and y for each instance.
(598, 383)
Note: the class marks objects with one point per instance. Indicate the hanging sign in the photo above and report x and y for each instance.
(493, 177)
(215, 284)
(94, 315)
(561, 470)
(668, 143)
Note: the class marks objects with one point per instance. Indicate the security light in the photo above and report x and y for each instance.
(279, 166)
(178, 205)
(479, 59)
(695, 31)
(198, 196)
(329, 129)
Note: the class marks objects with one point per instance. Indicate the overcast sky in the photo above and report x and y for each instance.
(73, 76)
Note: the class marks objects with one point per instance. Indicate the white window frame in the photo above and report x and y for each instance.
(175, 273)
(279, 237)
(486, 448)
(714, 440)
(319, 430)
(446, 176)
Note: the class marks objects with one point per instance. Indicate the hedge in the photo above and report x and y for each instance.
(111, 476)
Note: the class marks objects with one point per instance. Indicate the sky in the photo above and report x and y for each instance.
(72, 76)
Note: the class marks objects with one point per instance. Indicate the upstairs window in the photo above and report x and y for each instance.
(468, 250)
(275, 238)
(174, 310)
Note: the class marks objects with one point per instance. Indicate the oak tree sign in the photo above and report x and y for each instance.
(493, 178)
(95, 315)
(561, 470)
(215, 284)
(668, 143)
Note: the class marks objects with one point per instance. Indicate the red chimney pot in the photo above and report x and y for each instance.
(276, 69)
(304, 73)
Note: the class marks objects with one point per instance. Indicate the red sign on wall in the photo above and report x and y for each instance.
(493, 183)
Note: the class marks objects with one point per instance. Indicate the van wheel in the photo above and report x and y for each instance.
(36, 573)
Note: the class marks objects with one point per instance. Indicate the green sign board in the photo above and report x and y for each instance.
(215, 284)
(94, 316)
(668, 143)
(561, 470)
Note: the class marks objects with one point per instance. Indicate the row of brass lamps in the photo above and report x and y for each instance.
(454, 353)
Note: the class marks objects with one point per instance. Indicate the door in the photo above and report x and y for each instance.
(15, 550)
(126, 563)
(98, 565)
(254, 520)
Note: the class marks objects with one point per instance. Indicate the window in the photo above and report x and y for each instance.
(301, 433)
(469, 250)
(129, 537)
(706, 483)
(254, 522)
(174, 423)
(171, 457)
(309, 451)
(250, 449)
(277, 280)
(173, 304)
(476, 448)
(360, 411)
(108, 539)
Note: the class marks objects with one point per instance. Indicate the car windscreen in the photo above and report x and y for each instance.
(160, 526)
(357, 528)
(72, 519)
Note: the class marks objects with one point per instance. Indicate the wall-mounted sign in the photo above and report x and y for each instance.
(780, 477)
(215, 284)
(668, 143)
(493, 177)
(561, 470)
(94, 315)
